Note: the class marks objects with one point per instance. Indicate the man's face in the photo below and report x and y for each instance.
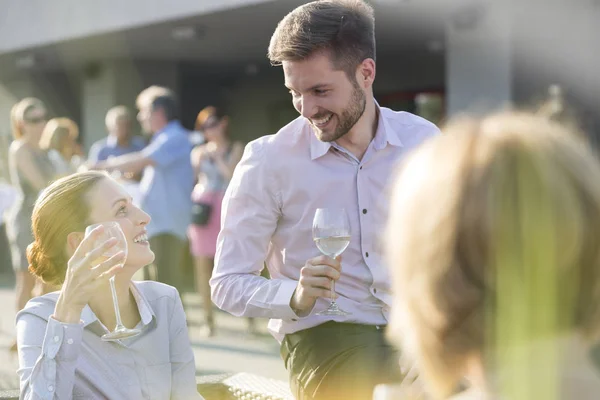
(122, 128)
(326, 97)
(149, 119)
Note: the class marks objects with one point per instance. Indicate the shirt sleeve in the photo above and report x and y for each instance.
(251, 210)
(48, 353)
(94, 153)
(183, 366)
(166, 149)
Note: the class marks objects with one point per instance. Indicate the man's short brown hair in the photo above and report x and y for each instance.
(346, 28)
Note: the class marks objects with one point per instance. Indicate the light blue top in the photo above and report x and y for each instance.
(108, 147)
(167, 185)
(71, 361)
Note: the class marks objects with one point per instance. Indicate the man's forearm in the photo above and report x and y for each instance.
(134, 163)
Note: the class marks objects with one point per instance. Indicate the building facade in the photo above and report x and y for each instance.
(82, 58)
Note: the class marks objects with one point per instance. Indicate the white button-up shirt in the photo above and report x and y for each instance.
(268, 212)
(65, 361)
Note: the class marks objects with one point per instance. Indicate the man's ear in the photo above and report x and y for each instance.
(366, 73)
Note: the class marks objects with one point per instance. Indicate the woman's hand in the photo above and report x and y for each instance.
(84, 276)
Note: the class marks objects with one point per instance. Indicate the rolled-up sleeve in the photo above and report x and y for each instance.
(166, 149)
(251, 210)
(48, 353)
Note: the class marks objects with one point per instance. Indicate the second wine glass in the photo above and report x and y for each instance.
(331, 233)
(113, 230)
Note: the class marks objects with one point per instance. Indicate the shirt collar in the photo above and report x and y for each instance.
(169, 128)
(383, 136)
(146, 313)
(111, 141)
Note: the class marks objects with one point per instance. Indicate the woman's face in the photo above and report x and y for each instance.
(34, 121)
(214, 128)
(109, 201)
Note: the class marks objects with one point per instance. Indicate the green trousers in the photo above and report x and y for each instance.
(339, 361)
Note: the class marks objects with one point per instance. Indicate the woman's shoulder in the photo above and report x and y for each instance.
(41, 307)
(17, 146)
(153, 290)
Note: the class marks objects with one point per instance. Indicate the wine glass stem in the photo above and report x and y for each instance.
(115, 302)
(333, 290)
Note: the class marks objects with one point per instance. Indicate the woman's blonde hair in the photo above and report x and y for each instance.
(61, 209)
(19, 112)
(492, 243)
(58, 133)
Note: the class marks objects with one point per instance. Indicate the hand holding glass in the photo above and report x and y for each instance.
(113, 230)
(331, 233)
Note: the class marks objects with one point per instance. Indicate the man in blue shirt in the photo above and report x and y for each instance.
(120, 139)
(167, 180)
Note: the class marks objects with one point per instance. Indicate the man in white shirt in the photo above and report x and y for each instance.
(339, 154)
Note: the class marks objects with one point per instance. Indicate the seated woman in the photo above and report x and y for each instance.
(61, 354)
(493, 248)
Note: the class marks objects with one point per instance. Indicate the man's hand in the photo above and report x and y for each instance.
(315, 282)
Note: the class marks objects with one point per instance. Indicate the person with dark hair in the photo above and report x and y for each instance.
(62, 354)
(214, 163)
(167, 181)
(338, 154)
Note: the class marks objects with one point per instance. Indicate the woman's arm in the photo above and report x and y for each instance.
(48, 353)
(183, 367)
(49, 350)
(197, 155)
(24, 161)
(226, 167)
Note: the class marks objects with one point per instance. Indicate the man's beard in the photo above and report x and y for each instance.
(349, 117)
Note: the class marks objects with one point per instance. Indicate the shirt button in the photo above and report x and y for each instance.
(294, 319)
(70, 341)
(367, 254)
(56, 339)
(360, 168)
(375, 290)
(50, 388)
(364, 210)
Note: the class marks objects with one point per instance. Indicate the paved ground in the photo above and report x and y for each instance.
(231, 350)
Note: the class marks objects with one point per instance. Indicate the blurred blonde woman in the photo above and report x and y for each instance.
(30, 172)
(59, 139)
(493, 249)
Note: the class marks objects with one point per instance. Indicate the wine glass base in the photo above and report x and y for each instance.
(118, 334)
(333, 309)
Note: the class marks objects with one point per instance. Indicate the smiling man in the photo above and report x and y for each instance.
(338, 154)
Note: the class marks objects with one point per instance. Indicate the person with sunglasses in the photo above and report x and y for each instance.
(30, 171)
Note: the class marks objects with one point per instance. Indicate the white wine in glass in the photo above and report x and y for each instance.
(113, 230)
(331, 233)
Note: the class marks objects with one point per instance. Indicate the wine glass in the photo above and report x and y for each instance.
(331, 233)
(113, 230)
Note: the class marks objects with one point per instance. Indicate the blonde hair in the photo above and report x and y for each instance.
(116, 113)
(19, 111)
(61, 209)
(57, 133)
(492, 243)
(148, 95)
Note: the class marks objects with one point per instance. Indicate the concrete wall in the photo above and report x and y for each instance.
(59, 20)
(479, 59)
(119, 82)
